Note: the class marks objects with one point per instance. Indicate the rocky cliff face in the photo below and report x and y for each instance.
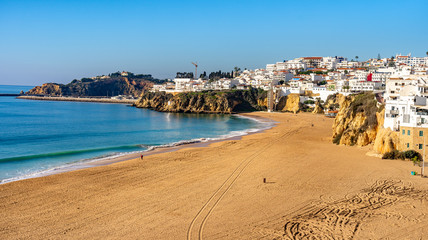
(290, 103)
(88, 87)
(386, 141)
(357, 121)
(333, 101)
(318, 109)
(217, 102)
(205, 102)
(51, 89)
(360, 122)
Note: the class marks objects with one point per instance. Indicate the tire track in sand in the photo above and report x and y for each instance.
(206, 210)
(342, 219)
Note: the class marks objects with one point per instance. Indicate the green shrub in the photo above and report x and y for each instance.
(395, 154)
(416, 160)
(412, 154)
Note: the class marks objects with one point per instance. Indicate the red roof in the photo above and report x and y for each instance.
(313, 57)
(319, 69)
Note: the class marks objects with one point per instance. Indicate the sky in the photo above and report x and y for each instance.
(58, 41)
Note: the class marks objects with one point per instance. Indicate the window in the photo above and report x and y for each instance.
(408, 145)
(421, 133)
(420, 146)
(408, 132)
(404, 132)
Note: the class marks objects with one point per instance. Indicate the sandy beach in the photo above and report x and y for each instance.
(312, 188)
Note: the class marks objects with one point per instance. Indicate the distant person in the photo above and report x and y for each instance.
(141, 156)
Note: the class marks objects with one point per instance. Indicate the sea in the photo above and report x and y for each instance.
(39, 137)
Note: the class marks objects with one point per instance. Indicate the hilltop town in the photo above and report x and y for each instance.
(321, 75)
(399, 84)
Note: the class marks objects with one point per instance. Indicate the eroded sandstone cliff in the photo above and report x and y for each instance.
(87, 87)
(205, 102)
(318, 109)
(51, 89)
(290, 103)
(230, 101)
(360, 122)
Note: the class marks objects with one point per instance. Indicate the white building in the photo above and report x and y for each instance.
(182, 84)
(296, 64)
(411, 61)
(329, 62)
(356, 85)
(406, 102)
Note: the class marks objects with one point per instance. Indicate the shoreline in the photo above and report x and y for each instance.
(79, 99)
(126, 156)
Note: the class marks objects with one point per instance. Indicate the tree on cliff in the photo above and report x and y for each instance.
(184, 75)
(236, 71)
(391, 62)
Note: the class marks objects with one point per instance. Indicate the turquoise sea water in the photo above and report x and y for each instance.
(37, 136)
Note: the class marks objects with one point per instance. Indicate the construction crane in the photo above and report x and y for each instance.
(196, 69)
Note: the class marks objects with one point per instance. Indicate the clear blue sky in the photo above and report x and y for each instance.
(57, 41)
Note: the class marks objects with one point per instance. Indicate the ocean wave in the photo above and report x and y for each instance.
(65, 153)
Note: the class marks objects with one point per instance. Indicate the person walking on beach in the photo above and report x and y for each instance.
(141, 156)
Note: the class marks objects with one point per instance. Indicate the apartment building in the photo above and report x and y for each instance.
(406, 110)
(313, 62)
(411, 61)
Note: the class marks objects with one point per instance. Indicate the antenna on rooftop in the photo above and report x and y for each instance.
(196, 69)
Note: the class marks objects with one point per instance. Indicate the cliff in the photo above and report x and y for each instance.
(358, 120)
(386, 141)
(205, 102)
(51, 89)
(318, 109)
(230, 101)
(290, 103)
(111, 86)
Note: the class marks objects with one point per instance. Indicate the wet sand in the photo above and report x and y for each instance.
(313, 188)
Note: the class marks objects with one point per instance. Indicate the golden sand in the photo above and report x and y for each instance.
(313, 188)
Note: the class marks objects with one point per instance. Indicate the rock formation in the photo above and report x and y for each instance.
(360, 122)
(357, 120)
(51, 89)
(333, 101)
(217, 102)
(290, 103)
(112, 86)
(386, 141)
(318, 109)
(205, 102)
